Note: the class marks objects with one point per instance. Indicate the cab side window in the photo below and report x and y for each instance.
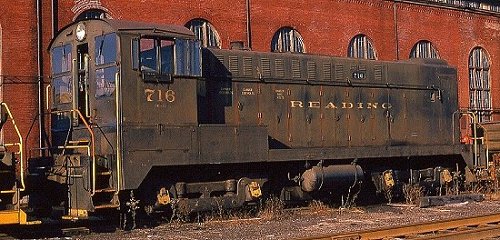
(167, 55)
(148, 55)
(188, 57)
(160, 59)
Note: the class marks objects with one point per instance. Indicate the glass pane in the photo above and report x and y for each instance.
(105, 49)
(424, 49)
(135, 54)
(105, 82)
(148, 55)
(181, 54)
(479, 83)
(61, 59)
(167, 55)
(287, 40)
(205, 32)
(92, 14)
(63, 88)
(188, 57)
(195, 66)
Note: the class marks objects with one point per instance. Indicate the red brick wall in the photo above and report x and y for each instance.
(327, 26)
(19, 66)
(228, 17)
(454, 34)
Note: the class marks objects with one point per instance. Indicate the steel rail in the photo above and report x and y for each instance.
(481, 232)
(463, 228)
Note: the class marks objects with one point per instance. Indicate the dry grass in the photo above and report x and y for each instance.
(272, 209)
(412, 193)
(318, 206)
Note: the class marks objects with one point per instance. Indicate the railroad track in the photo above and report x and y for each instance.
(56, 230)
(480, 227)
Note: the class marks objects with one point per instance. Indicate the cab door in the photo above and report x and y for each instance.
(82, 62)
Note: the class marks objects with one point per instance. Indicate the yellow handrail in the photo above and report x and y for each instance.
(92, 147)
(92, 144)
(19, 144)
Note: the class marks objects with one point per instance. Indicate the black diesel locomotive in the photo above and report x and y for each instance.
(142, 107)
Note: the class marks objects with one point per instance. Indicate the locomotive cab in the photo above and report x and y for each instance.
(111, 79)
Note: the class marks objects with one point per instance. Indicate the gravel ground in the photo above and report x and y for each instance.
(308, 222)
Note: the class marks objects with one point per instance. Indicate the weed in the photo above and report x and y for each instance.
(412, 193)
(317, 206)
(272, 209)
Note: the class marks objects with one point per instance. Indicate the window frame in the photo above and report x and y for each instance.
(293, 43)
(190, 67)
(208, 33)
(92, 14)
(480, 100)
(365, 47)
(157, 73)
(63, 74)
(102, 68)
(424, 49)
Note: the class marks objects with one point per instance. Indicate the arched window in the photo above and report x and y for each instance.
(361, 47)
(424, 49)
(205, 32)
(287, 39)
(92, 14)
(479, 83)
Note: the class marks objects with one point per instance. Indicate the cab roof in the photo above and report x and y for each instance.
(134, 26)
(142, 28)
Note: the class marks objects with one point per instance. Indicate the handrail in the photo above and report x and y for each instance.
(118, 131)
(92, 143)
(20, 144)
(47, 95)
(473, 117)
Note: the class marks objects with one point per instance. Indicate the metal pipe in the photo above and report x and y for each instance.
(249, 26)
(41, 122)
(119, 123)
(476, 159)
(55, 18)
(396, 35)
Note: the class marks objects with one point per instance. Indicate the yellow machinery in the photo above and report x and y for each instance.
(11, 174)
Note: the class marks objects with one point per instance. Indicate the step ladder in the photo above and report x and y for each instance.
(88, 172)
(105, 193)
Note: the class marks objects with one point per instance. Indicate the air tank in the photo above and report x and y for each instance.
(319, 178)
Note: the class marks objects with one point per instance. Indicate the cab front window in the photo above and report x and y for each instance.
(106, 68)
(61, 72)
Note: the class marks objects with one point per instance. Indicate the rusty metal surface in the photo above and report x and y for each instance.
(492, 136)
(431, 201)
(321, 102)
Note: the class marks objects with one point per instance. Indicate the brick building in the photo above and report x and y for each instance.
(464, 33)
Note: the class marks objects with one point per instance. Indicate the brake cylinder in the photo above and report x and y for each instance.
(330, 178)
